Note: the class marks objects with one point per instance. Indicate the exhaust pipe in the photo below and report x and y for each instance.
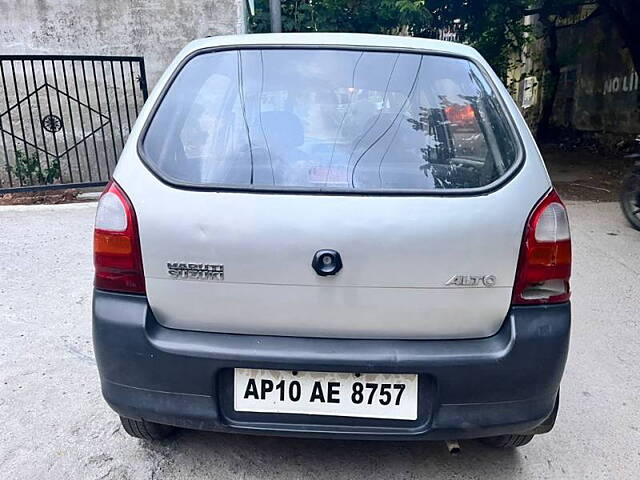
(453, 446)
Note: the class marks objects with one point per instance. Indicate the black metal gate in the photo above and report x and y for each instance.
(64, 119)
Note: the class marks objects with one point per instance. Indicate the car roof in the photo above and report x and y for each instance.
(334, 40)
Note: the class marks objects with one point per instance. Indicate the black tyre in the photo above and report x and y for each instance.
(630, 199)
(507, 441)
(146, 430)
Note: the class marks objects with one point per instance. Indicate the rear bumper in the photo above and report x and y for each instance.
(507, 383)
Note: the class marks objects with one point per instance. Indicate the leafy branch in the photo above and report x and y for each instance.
(29, 170)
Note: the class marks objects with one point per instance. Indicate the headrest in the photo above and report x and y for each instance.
(282, 129)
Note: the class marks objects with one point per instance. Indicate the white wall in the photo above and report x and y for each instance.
(155, 29)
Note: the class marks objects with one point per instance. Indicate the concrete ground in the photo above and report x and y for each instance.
(54, 423)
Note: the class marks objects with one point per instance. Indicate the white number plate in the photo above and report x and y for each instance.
(369, 395)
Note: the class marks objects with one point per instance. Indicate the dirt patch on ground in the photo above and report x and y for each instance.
(582, 174)
(40, 197)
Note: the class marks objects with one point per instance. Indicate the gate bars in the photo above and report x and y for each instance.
(64, 119)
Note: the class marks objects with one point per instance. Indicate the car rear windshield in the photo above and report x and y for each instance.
(330, 120)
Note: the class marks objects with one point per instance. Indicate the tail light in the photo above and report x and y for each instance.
(544, 266)
(116, 244)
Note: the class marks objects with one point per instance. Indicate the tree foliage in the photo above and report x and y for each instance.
(364, 16)
(494, 27)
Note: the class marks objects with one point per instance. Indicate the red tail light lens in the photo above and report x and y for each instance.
(116, 244)
(544, 267)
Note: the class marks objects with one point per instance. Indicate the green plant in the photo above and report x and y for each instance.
(29, 170)
(365, 16)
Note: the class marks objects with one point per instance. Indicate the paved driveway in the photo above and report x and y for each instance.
(54, 424)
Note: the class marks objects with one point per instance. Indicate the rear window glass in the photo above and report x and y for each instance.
(312, 119)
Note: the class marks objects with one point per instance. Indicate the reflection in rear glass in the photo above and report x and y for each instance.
(330, 120)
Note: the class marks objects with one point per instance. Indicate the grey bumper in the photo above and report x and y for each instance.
(507, 383)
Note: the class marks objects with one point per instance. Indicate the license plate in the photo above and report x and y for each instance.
(368, 395)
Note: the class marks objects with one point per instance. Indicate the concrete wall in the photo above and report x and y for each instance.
(599, 89)
(598, 84)
(155, 29)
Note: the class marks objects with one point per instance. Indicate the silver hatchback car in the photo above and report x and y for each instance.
(334, 235)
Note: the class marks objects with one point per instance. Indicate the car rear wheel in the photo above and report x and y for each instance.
(146, 430)
(507, 441)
